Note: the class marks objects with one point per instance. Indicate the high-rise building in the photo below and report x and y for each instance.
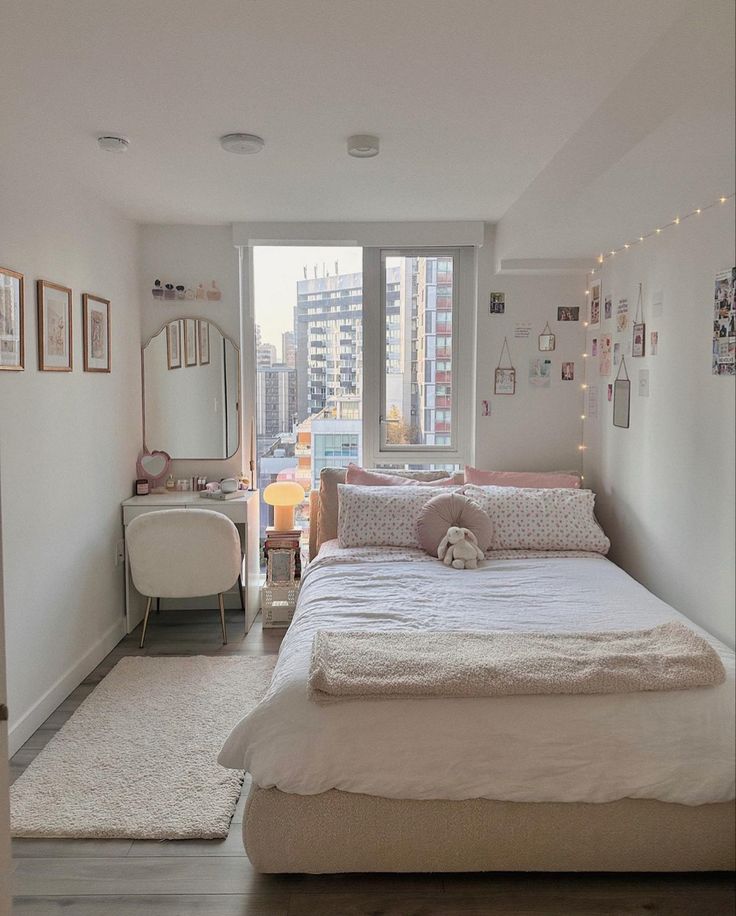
(288, 349)
(433, 375)
(276, 400)
(265, 355)
(329, 340)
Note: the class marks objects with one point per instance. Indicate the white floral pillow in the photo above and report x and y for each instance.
(554, 519)
(381, 516)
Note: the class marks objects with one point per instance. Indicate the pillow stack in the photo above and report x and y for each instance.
(541, 518)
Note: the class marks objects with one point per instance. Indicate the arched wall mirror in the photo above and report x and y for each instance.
(191, 391)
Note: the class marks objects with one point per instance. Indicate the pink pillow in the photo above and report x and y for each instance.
(538, 480)
(446, 510)
(358, 476)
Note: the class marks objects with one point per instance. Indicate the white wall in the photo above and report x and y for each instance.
(68, 445)
(665, 485)
(536, 429)
(191, 255)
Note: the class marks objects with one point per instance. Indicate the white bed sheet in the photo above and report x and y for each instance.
(675, 746)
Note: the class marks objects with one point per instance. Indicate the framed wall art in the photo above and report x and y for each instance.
(173, 345)
(12, 320)
(54, 327)
(190, 341)
(621, 397)
(203, 342)
(546, 339)
(504, 381)
(638, 343)
(96, 319)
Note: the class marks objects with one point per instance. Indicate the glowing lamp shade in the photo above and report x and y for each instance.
(283, 496)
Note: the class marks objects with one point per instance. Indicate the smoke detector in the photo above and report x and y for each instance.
(243, 144)
(363, 146)
(112, 144)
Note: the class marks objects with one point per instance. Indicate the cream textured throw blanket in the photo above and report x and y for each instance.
(391, 665)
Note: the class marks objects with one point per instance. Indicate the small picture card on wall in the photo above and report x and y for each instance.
(540, 372)
(653, 343)
(592, 399)
(485, 408)
(496, 303)
(610, 392)
(568, 372)
(604, 348)
(523, 330)
(54, 327)
(594, 347)
(607, 308)
(173, 345)
(568, 313)
(203, 340)
(190, 341)
(643, 383)
(616, 354)
(595, 304)
(96, 322)
(12, 317)
(622, 315)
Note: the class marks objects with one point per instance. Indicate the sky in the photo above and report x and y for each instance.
(276, 271)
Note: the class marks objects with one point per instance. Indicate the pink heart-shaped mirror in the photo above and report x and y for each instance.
(153, 465)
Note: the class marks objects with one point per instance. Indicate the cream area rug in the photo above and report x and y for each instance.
(138, 758)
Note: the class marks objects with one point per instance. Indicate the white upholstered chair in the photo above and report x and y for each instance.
(184, 553)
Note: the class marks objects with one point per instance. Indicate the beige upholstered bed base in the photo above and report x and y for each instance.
(345, 832)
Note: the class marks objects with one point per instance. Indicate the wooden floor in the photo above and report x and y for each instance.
(214, 877)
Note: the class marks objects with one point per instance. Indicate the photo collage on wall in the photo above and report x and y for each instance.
(724, 333)
(543, 372)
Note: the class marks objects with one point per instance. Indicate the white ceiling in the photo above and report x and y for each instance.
(472, 100)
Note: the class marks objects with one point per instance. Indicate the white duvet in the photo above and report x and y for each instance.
(675, 746)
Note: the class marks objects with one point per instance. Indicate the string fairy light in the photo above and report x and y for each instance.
(602, 257)
(658, 230)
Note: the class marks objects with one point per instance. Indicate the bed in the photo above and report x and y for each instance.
(619, 782)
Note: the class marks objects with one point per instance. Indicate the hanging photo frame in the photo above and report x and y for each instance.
(638, 344)
(546, 339)
(505, 376)
(622, 397)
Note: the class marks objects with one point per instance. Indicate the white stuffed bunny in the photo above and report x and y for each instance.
(459, 548)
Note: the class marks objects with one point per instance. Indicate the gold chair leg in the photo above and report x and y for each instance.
(149, 602)
(221, 599)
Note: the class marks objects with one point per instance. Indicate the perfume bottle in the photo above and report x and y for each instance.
(180, 292)
(189, 294)
(200, 291)
(169, 292)
(170, 483)
(158, 290)
(213, 294)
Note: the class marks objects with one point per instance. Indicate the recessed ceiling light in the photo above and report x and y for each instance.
(111, 144)
(243, 144)
(363, 146)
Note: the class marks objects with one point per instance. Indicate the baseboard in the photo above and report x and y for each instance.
(20, 731)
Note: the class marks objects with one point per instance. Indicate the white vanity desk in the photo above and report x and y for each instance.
(243, 511)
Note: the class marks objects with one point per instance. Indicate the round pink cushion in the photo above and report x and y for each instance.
(446, 510)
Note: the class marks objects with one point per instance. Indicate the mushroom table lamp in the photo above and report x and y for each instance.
(283, 496)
